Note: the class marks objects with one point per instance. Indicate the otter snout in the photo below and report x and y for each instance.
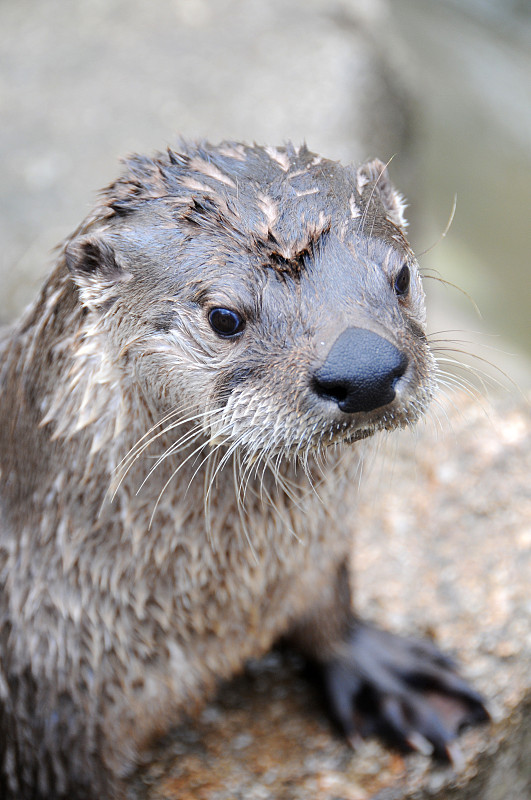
(360, 372)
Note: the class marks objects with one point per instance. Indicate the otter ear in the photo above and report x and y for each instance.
(374, 173)
(90, 259)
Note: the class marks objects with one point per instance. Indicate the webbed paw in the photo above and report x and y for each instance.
(401, 689)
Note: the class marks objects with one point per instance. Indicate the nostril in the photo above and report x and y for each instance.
(330, 390)
(361, 371)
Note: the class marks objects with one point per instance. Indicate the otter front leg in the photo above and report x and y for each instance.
(404, 690)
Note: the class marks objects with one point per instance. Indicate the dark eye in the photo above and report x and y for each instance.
(225, 322)
(402, 281)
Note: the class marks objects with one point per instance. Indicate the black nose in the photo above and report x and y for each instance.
(360, 372)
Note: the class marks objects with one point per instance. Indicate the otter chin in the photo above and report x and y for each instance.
(216, 337)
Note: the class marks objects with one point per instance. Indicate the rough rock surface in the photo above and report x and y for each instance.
(443, 548)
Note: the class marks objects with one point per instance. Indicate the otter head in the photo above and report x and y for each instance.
(266, 295)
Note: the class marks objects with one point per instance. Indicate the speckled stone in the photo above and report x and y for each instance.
(443, 548)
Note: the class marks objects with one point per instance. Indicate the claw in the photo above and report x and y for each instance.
(355, 741)
(419, 743)
(455, 756)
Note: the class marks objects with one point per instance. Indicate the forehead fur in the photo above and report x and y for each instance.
(282, 201)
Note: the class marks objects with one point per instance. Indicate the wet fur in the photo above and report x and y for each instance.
(171, 502)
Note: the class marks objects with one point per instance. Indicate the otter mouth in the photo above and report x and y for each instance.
(293, 434)
(349, 431)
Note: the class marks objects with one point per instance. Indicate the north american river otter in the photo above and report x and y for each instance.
(180, 409)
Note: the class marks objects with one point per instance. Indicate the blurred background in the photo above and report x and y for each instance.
(443, 86)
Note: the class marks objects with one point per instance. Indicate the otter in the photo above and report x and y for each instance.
(184, 410)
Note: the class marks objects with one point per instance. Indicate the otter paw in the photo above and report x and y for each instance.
(401, 689)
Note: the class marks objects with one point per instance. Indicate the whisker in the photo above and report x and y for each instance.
(445, 231)
(211, 462)
(483, 377)
(251, 468)
(181, 421)
(241, 513)
(172, 476)
(223, 461)
(281, 516)
(132, 456)
(372, 193)
(436, 407)
(286, 486)
(439, 279)
(365, 214)
(188, 438)
(153, 428)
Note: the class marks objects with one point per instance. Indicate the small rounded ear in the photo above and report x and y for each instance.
(90, 257)
(374, 173)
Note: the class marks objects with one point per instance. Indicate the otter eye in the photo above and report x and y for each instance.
(402, 281)
(225, 322)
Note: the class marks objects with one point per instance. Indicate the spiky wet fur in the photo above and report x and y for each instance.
(171, 501)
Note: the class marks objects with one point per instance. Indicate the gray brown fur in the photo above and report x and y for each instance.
(124, 602)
